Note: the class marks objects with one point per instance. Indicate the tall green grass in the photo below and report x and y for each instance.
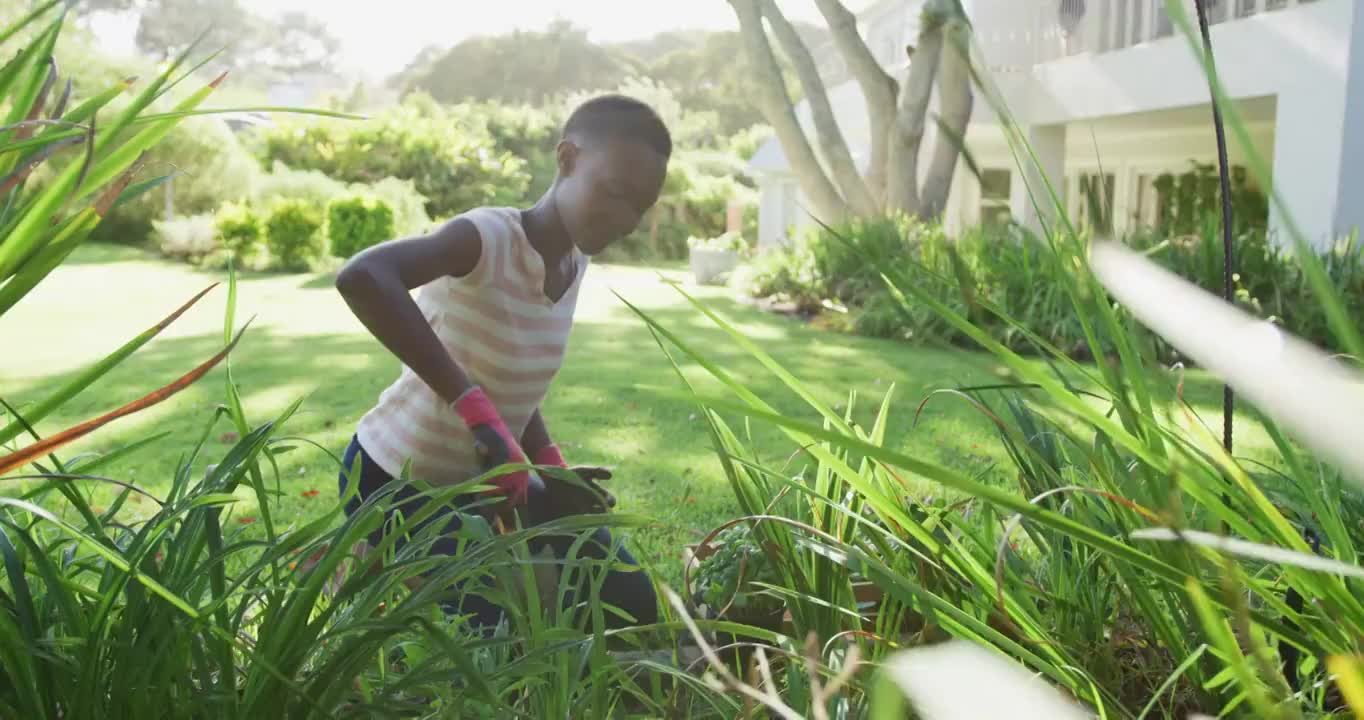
(1132, 569)
(182, 605)
(1133, 564)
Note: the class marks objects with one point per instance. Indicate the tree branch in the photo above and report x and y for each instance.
(902, 186)
(878, 88)
(833, 146)
(777, 107)
(955, 103)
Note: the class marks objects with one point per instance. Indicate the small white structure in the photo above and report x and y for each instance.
(1112, 87)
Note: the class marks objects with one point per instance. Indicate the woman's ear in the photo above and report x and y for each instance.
(568, 157)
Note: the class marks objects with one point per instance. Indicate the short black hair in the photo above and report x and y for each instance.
(620, 116)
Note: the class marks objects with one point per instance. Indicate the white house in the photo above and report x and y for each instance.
(1120, 91)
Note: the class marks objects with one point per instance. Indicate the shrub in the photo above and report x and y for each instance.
(239, 230)
(1017, 274)
(526, 132)
(785, 273)
(455, 164)
(730, 241)
(730, 575)
(210, 167)
(186, 238)
(293, 231)
(408, 205)
(311, 186)
(356, 223)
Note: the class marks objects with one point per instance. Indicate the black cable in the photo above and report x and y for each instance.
(1288, 653)
(1224, 175)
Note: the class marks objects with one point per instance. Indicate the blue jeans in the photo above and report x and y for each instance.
(632, 592)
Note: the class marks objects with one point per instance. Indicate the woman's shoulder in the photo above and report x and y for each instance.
(494, 223)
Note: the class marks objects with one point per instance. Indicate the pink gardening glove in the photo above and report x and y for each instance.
(494, 443)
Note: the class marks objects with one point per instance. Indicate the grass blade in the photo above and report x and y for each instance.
(38, 449)
(1290, 381)
(94, 372)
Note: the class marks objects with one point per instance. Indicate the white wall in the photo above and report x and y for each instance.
(1300, 55)
(782, 210)
(1308, 59)
(1350, 198)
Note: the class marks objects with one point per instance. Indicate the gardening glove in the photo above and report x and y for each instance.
(494, 444)
(565, 497)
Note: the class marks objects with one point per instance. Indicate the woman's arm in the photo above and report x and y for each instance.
(377, 285)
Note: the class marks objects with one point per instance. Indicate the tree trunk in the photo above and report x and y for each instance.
(902, 185)
(833, 146)
(878, 88)
(777, 107)
(955, 103)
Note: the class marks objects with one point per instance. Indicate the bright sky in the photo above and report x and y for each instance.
(379, 38)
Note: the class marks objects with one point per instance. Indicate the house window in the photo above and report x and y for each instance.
(994, 198)
(1149, 201)
(1096, 202)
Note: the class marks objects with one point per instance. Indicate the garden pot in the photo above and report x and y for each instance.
(709, 267)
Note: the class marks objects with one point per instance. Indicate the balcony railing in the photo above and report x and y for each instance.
(1077, 27)
(1039, 31)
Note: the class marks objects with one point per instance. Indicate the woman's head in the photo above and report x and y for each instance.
(613, 159)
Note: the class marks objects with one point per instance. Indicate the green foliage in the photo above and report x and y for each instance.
(520, 67)
(706, 72)
(528, 132)
(745, 143)
(408, 205)
(1186, 201)
(1050, 569)
(356, 223)
(729, 242)
(42, 222)
(784, 274)
(998, 268)
(240, 230)
(455, 164)
(210, 166)
(312, 186)
(316, 188)
(711, 75)
(731, 575)
(695, 202)
(293, 232)
(199, 603)
(282, 46)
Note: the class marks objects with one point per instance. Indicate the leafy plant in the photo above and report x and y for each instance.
(293, 231)
(285, 183)
(733, 574)
(409, 206)
(357, 223)
(239, 230)
(454, 164)
(726, 242)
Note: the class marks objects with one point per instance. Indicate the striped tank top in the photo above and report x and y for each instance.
(497, 323)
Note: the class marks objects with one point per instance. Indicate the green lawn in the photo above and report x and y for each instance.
(606, 406)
